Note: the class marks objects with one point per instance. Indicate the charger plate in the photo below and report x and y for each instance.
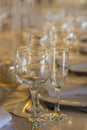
(73, 96)
(80, 68)
(83, 47)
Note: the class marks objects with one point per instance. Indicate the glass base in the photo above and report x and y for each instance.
(34, 116)
(37, 110)
(53, 116)
(36, 121)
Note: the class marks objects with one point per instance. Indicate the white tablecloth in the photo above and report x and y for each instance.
(77, 121)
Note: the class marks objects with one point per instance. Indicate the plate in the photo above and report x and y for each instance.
(79, 68)
(73, 94)
(83, 47)
(71, 97)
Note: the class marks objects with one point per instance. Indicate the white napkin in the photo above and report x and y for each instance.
(5, 117)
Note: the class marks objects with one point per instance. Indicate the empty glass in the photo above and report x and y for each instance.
(33, 67)
(58, 79)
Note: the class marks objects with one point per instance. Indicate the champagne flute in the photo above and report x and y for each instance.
(59, 73)
(58, 77)
(32, 67)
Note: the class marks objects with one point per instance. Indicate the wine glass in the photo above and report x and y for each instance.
(33, 67)
(32, 37)
(59, 73)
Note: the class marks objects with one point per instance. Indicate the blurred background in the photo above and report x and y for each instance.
(19, 18)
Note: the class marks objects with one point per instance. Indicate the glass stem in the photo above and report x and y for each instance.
(34, 101)
(57, 106)
(34, 98)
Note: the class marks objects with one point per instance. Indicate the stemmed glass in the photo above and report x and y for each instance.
(58, 77)
(59, 73)
(33, 67)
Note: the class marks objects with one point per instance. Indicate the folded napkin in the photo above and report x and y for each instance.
(5, 117)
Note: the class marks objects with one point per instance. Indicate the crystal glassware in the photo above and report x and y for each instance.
(58, 77)
(33, 67)
(60, 57)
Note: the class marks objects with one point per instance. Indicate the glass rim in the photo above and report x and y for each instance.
(60, 48)
(33, 50)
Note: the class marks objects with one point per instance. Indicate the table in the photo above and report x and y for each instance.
(76, 121)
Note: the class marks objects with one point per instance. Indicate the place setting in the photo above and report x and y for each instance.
(43, 65)
(73, 96)
(49, 102)
(48, 85)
